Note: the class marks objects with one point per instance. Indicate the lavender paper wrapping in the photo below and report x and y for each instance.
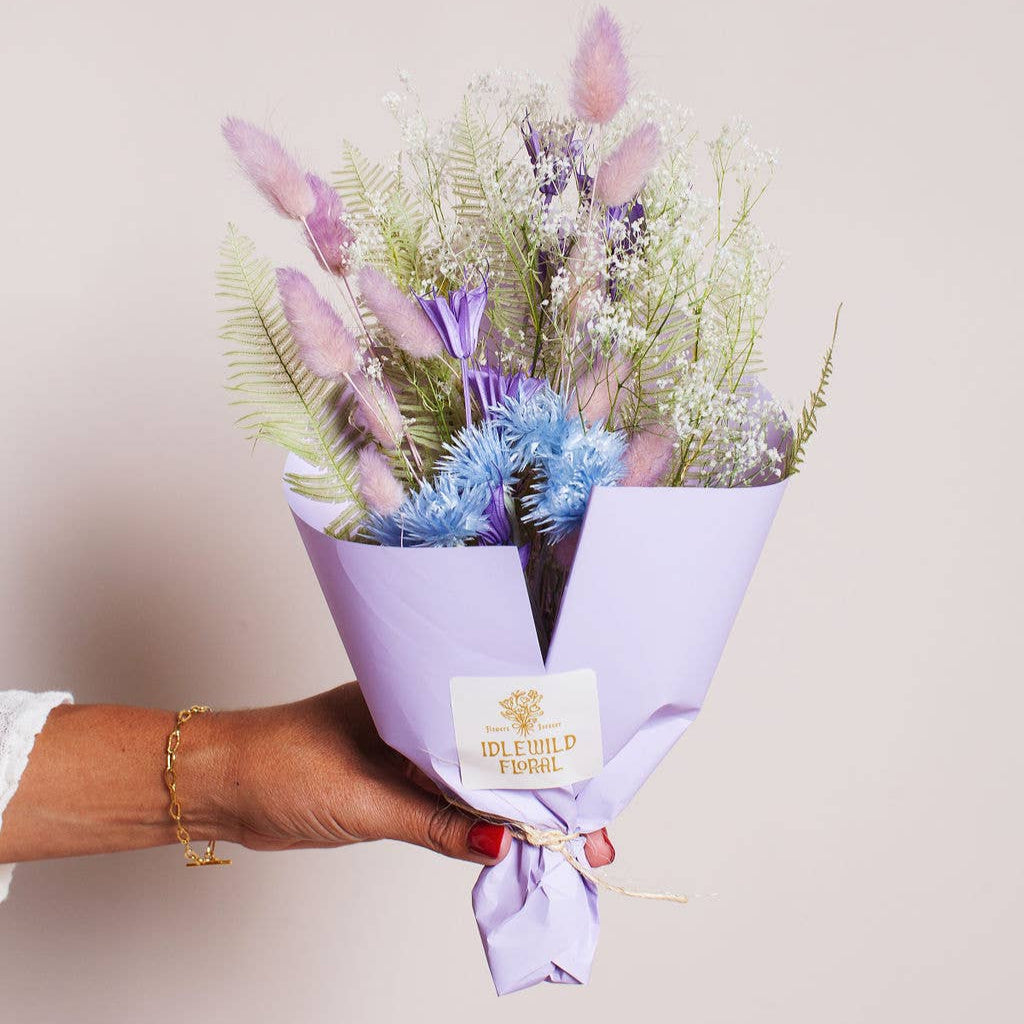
(658, 578)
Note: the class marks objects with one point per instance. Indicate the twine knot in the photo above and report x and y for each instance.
(560, 842)
(548, 838)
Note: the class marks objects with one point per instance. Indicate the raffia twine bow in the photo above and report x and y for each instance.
(561, 842)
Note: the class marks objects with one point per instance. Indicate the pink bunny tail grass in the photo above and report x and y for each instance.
(377, 484)
(270, 168)
(399, 315)
(585, 267)
(325, 344)
(598, 388)
(648, 457)
(600, 73)
(329, 227)
(625, 171)
(377, 412)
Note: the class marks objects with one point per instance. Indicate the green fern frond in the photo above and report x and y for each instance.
(808, 422)
(287, 405)
(360, 182)
(371, 191)
(482, 184)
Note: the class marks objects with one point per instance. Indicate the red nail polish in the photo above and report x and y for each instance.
(611, 848)
(485, 839)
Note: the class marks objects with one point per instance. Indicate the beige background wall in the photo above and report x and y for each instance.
(852, 789)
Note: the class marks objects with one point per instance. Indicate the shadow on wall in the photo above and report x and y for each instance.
(144, 608)
(139, 607)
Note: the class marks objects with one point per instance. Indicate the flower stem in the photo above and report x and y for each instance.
(351, 299)
(465, 391)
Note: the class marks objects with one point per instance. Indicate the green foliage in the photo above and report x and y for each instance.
(808, 422)
(482, 178)
(287, 404)
(370, 191)
(423, 389)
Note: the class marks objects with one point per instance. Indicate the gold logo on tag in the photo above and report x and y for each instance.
(522, 708)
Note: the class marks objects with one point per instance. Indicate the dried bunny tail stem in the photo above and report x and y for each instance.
(270, 167)
(624, 172)
(377, 483)
(382, 414)
(377, 412)
(329, 350)
(330, 236)
(325, 344)
(399, 315)
(600, 72)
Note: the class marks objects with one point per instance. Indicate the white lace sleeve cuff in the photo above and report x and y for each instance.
(22, 716)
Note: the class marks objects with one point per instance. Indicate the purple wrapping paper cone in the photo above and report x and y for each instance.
(658, 578)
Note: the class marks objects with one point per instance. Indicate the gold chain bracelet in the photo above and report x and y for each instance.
(192, 859)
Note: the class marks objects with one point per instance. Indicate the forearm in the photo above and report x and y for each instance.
(94, 783)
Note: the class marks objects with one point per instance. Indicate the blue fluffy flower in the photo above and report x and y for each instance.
(438, 515)
(590, 458)
(468, 499)
(481, 455)
(536, 426)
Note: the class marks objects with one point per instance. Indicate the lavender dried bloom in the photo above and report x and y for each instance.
(554, 156)
(325, 344)
(399, 315)
(377, 412)
(270, 167)
(330, 236)
(499, 524)
(456, 318)
(492, 387)
(623, 173)
(600, 74)
(377, 484)
(457, 322)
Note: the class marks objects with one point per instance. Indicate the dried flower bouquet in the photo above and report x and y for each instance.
(531, 358)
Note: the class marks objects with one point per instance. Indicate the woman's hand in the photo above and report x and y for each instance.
(309, 774)
(316, 774)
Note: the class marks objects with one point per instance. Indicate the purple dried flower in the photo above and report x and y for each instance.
(624, 172)
(325, 344)
(330, 234)
(396, 312)
(457, 321)
(627, 239)
(600, 74)
(492, 387)
(377, 412)
(270, 167)
(554, 156)
(457, 318)
(499, 526)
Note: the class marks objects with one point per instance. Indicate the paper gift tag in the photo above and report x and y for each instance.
(527, 732)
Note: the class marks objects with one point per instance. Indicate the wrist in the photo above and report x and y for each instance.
(208, 768)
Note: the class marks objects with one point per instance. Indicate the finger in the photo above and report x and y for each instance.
(598, 848)
(436, 825)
